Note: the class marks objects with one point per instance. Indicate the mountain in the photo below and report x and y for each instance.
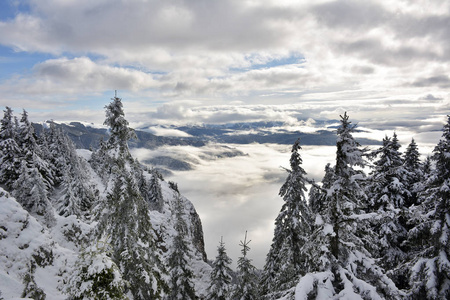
(82, 224)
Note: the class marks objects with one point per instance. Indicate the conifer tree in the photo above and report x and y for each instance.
(220, 287)
(413, 166)
(246, 287)
(388, 195)
(182, 287)
(125, 218)
(429, 239)
(31, 152)
(95, 276)
(292, 228)
(337, 261)
(9, 150)
(155, 198)
(31, 192)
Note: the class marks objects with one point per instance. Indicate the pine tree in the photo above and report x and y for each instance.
(429, 239)
(95, 276)
(246, 287)
(292, 229)
(31, 192)
(9, 150)
(182, 287)
(125, 219)
(220, 286)
(388, 195)
(31, 152)
(413, 166)
(155, 198)
(337, 261)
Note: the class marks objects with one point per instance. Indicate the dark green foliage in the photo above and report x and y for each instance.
(220, 286)
(31, 289)
(181, 275)
(429, 238)
(292, 229)
(246, 287)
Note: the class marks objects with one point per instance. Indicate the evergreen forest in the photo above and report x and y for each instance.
(82, 224)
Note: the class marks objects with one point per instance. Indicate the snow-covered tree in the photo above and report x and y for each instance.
(124, 219)
(30, 150)
(388, 194)
(414, 167)
(95, 276)
(337, 261)
(9, 150)
(246, 287)
(220, 287)
(155, 198)
(181, 274)
(31, 192)
(283, 265)
(430, 238)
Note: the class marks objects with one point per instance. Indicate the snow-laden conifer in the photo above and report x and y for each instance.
(9, 150)
(430, 238)
(414, 167)
(283, 265)
(95, 276)
(220, 287)
(388, 197)
(181, 274)
(337, 261)
(124, 219)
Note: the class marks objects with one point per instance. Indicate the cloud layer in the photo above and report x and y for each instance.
(325, 55)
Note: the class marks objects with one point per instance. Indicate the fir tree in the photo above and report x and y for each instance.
(31, 152)
(337, 262)
(9, 150)
(429, 239)
(95, 276)
(31, 192)
(246, 287)
(220, 287)
(155, 198)
(292, 229)
(388, 195)
(125, 218)
(182, 287)
(413, 166)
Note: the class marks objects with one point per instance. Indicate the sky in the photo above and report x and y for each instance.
(175, 62)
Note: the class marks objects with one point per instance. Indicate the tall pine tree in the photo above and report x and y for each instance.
(338, 263)
(125, 221)
(9, 150)
(220, 287)
(292, 228)
(430, 238)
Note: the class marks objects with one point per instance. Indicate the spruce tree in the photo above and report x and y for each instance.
(429, 239)
(31, 192)
(95, 276)
(413, 166)
(220, 287)
(337, 261)
(246, 287)
(181, 274)
(388, 195)
(9, 150)
(124, 219)
(292, 228)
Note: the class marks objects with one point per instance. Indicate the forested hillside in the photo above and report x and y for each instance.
(81, 224)
(92, 225)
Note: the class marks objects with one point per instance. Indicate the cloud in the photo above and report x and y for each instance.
(442, 81)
